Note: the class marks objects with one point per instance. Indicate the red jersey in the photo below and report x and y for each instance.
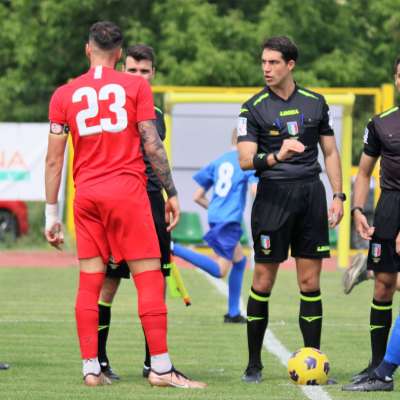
(102, 109)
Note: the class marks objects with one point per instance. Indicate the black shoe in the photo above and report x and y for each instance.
(237, 319)
(4, 366)
(146, 371)
(371, 384)
(252, 374)
(362, 375)
(108, 372)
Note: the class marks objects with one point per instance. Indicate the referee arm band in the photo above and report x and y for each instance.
(262, 161)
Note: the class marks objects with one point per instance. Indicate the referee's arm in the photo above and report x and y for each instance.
(247, 151)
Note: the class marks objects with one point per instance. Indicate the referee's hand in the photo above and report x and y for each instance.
(289, 148)
(172, 212)
(362, 226)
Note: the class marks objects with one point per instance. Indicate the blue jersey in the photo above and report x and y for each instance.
(230, 187)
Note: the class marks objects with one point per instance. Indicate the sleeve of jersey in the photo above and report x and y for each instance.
(204, 177)
(161, 129)
(144, 103)
(56, 112)
(372, 145)
(325, 126)
(247, 127)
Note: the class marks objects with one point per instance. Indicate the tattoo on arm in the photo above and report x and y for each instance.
(156, 154)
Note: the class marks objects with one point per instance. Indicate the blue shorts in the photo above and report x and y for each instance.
(223, 238)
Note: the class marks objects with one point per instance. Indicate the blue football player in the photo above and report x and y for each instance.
(225, 213)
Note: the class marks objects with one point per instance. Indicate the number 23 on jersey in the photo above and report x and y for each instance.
(116, 109)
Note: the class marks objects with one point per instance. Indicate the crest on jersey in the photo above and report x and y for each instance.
(242, 126)
(376, 251)
(293, 129)
(265, 244)
(366, 133)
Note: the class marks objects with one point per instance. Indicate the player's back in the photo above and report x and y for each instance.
(230, 187)
(101, 109)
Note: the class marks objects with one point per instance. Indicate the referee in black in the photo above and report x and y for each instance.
(381, 139)
(278, 132)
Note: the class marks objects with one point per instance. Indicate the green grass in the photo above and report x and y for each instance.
(37, 336)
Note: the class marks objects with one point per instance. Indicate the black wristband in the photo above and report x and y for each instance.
(171, 192)
(260, 162)
(276, 157)
(355, 209)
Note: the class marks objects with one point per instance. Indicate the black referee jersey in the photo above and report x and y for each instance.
(267, 120)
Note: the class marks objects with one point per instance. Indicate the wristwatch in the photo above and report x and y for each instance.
(340, 195)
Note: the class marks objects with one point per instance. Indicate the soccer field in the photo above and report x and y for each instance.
(38, 338)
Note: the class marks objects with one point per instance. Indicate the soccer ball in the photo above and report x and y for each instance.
(308, 366)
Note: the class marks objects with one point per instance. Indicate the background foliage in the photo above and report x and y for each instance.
(198, 42)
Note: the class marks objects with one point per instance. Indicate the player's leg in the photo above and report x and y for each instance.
(107, 294)
(270, 227)
(383, 261)
(381, 314)
(135, 241)
(87, 317)
(310, 314)
(201, 261)
(381, 379)
(355, 273)
(309, 245)
(235, 286)
(93, 251)
(257, 317)
(157, 204)
(152, 311)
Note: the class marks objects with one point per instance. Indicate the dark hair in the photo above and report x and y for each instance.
(106, 35)
(284, 45)
(396, 63)
(141, 52)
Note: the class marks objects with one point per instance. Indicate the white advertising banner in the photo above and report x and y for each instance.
(23, 149)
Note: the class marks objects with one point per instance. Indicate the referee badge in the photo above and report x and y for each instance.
(265, 244)
(293, 129)
(242, 126)
(376, 251)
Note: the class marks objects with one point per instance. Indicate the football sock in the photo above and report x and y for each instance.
(380, 323)
(104, 326)
(235, 286)
(257, 321)
(147, 352)
(90, 366)
(152, 309)
(392, 354)
(87, 312)
(310, 318)
(199, 260)
(161, 363)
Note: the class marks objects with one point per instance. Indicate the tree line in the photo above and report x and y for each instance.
(197, 42)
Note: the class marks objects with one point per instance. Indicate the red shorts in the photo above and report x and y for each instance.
(114, 217)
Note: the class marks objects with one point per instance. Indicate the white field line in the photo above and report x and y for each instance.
(272, 344)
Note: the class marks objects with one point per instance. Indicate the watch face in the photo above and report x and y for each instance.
(341, 196)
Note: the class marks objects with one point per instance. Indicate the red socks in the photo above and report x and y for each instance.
(87, 312)
(152, 309)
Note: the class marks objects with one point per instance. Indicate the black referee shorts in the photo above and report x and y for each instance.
(164, 238)
(290, 214)
(382, 256)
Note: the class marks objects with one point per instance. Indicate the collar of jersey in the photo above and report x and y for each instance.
(273, 94)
